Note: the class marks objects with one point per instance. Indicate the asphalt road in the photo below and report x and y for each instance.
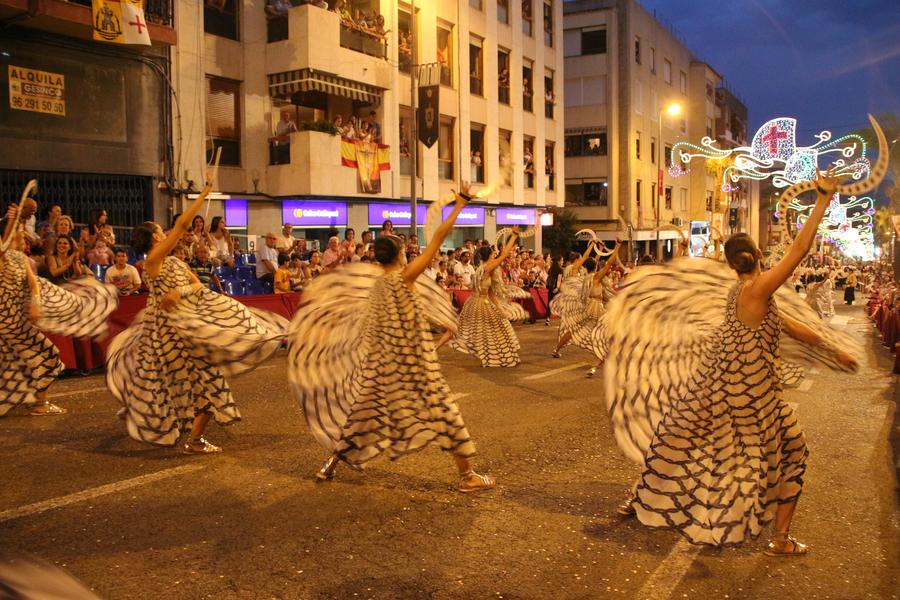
(132, 521)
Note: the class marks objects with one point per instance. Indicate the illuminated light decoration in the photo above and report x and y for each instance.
(774, 154)
(729, 187)
(848, 224)
(676, 170)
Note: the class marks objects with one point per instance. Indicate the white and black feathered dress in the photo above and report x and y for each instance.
(168, 367)
(580, 307)
(696, 397)
(484, 323)
(364, 368)
(29, 362)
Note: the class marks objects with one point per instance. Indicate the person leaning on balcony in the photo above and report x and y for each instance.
(267, 259)
(282, 138)
(278, 8)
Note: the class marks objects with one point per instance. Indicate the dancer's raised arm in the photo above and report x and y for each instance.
(422, 262)
(492, 264)
(163, 248)
(580, 261)
(769, 281)
(601, 273)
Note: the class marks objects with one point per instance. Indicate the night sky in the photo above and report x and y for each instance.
(826, 62)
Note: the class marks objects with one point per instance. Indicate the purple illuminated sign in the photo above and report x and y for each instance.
(471, 216)
(515, 216)
(398, 214)
(301, 213)
(236, 213)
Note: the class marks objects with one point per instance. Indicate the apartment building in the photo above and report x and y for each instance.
(498, 67)
(632, 90)
(89, 120)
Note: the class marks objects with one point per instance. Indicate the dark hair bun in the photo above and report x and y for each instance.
(142, 237)
(484, 253)
(387, 247)
(741, 253)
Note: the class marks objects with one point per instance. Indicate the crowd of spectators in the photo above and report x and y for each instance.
(364, 129)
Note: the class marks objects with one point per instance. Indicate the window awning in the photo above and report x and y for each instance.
(583, 130)
(285, 85)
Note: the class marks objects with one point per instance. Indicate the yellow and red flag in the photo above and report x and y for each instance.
(369, 159)
(120, 22)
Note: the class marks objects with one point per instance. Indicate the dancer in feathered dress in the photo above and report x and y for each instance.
(484, 323)
(694, 394)
(580, 306)
(169, 368)
(29, 362)
(364, 366)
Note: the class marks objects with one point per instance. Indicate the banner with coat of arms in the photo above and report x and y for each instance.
(120, 22)
(369, 159)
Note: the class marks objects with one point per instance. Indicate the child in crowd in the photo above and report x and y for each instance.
(283, 275)
(100, 254)
(180, 252)
(297, 273)
(122, 275)
(202, 267)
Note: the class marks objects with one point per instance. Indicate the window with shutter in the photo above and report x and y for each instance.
(223, 120)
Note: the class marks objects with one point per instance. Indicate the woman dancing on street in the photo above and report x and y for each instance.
(168, 369)
(364, 366)
(484, 323)
(695, 395)
(580, 306)
(29, 305)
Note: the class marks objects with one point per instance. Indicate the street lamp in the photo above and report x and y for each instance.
(673, 110)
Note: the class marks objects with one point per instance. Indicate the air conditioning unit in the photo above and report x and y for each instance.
(677, 221)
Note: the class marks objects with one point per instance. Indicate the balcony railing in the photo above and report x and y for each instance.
(361, 41)
(160, 12)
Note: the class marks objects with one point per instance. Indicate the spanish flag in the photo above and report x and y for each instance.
(120, 22)
(350, 151)
(369, 159)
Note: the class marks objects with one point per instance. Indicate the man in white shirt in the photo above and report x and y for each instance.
(286, 241)
(464, 270)
(122, 275)
(267, 259)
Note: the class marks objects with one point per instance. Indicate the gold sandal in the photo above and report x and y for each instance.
(626, 509)
(786, 547)
(326, 473)
(470, 481)
(48, 409)
(199, 446)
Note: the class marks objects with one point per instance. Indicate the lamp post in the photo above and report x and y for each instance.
(673, 110)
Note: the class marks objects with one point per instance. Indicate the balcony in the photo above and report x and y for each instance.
(315, 167)
(74, 18)
(318, 41)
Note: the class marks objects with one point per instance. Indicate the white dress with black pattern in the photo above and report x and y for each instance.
(695, 396)
(580, 307)
(29, 362)
(364, 368)
(168, 367)
(484, 323)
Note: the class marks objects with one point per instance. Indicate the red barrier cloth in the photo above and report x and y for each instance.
(66, 347)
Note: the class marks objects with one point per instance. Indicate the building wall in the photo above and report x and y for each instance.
(637, 91)
(251, 59)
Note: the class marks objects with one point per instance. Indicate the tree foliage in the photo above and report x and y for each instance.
(559, 238)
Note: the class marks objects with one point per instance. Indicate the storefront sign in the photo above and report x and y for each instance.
(515, 216)
(37, 91)
(470, 216)
(236, 213)
(301, 213)
(398, 214)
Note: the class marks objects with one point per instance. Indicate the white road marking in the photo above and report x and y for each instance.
(92, 493)
(805, 385)
(555, 371)
(669, 573)
(73, 392)
(840, 320)
(457, 396)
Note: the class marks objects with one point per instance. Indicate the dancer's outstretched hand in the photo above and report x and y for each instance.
(462, 197)
(826, 183)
